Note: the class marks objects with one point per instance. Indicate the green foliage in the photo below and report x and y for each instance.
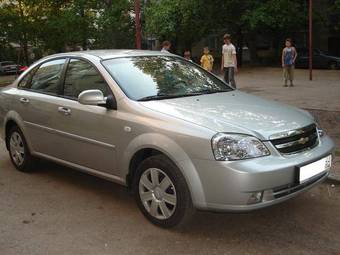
(188, 20)
(57, 25)
(182, 20)
(335, 16)
(114, 25)
(284, 15)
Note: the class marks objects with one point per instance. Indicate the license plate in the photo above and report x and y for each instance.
(315, 168)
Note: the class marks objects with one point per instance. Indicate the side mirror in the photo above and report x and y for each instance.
(91, 97)
(96, 97)
(111, 102)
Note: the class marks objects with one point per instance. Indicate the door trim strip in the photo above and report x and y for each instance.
(72, 136)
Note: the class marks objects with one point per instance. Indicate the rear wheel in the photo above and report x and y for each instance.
(162, 193)
(18, 150)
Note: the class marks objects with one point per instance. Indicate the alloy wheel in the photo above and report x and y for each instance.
(157, 193)
(17, 149)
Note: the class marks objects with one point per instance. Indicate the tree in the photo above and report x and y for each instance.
(16, 23)
(334, 12)
(114, 24)
(56, 25)
(65, 23)
(180, 20)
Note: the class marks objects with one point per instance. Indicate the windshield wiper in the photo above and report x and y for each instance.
(207, 91)
(197, 93)
(157, 97)
(160, 97)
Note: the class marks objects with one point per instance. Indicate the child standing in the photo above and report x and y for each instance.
(289, 55)
(207, 61)
(166, 45)
(187, 55)
(229, 61)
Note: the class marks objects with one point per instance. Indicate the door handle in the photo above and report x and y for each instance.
(24, 100)
(64, 110)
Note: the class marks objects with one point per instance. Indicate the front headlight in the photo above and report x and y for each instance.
(237, 146)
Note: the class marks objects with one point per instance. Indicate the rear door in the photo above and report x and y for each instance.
(37, 99)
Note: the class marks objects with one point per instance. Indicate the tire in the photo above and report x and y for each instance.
(333, 66)
(164, 198)
(18, 150)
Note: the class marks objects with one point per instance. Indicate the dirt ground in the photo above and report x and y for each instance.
(57, 210)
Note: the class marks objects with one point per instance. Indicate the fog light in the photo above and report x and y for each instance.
(255, 197)
(268, 195)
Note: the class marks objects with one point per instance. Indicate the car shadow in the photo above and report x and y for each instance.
(84, 181)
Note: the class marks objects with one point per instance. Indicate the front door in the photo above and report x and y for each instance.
(86, 133)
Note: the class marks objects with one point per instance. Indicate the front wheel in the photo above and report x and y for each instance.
(162, 193)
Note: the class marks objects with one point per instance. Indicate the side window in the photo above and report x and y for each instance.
(46, 78)
(25, 82)
(81, 76)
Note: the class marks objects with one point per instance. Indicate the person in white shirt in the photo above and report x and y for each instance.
(229, 61)
(187, 55)
(166, 45)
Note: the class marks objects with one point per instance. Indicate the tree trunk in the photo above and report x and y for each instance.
(23, 39)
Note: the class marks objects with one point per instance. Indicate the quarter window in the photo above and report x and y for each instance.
(80, 76)
(46, 79)
(25, 82)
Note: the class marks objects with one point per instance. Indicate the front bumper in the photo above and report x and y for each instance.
(231, 185)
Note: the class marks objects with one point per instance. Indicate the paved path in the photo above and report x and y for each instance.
(6, 79)
(321, 93)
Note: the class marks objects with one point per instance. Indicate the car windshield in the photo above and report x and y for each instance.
(160, 77)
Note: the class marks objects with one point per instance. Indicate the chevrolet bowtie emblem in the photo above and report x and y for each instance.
(303, 140)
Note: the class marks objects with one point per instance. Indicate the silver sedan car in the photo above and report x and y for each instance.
(177, 136)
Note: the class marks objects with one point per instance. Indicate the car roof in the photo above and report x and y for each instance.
(108, 54)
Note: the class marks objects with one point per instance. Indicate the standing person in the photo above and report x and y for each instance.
(187, 55)
(166, 45)
(207, 61)
(289, 55)
(229, 61)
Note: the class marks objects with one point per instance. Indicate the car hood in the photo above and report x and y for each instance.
(234, 112)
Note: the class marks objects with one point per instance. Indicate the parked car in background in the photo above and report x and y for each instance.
(176, 135)
(321, 59)
(9, 67)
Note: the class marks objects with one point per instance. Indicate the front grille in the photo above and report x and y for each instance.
(296, 140)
